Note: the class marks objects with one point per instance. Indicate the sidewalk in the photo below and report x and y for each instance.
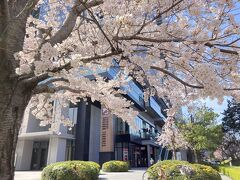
(27, 175)
(133, 174)
(130, 175)
(225, 177)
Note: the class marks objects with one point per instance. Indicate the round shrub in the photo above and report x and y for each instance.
(71, 170)
(115, 166)
(182, 170)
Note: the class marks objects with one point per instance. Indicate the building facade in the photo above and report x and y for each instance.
(97, 135)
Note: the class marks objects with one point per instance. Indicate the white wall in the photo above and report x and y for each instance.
(24, 154)
(56, 150)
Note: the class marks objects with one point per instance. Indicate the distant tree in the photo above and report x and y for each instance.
(201, 131)
(218, 154)
(171, 137)
(231, 119)
(231, 128)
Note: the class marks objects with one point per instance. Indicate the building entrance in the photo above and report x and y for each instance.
(39, 155)
(138, 156)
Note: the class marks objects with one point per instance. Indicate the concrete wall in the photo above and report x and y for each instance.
(24, 155)
(94, 141)
(56, 150)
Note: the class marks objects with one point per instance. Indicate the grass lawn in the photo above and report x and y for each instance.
(233, 171)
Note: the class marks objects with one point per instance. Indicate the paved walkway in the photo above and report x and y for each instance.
(134, 174)
(225, 177)
(27, 175)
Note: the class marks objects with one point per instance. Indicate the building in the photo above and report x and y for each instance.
(97, 135)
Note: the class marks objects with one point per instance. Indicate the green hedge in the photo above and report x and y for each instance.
(172, 169)
(71, 170)
(209, 164)
(115, 166)
(233, 172)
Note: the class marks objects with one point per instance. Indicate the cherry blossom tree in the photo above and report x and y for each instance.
(179, 49)
(171, 137)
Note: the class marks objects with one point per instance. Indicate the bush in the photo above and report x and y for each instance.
(233, 172)
(182, 170)
(115, 166)
(214, 166)
(71, 170)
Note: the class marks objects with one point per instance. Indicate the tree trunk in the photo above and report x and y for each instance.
(174, 153)
(13, 102)
(195, 155)
(14, 96)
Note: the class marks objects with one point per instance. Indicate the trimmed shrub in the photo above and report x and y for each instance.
(71, 170)
(115, 166)
(233, 172)
(182, 170)
(214, 166)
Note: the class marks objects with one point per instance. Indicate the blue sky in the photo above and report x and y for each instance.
(218, 108)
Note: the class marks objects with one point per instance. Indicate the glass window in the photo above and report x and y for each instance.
(72, 114)
(70, 149)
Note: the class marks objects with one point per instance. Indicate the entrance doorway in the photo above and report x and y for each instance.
(39, 155)
(138, 155)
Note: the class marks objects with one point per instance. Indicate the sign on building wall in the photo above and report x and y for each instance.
(106, 139)
(125, 154)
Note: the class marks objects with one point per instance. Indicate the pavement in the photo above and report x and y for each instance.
(133, 174)
(225, 177)
(27, 175)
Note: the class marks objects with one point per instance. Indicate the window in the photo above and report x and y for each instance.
(70, 149)
(72, 113)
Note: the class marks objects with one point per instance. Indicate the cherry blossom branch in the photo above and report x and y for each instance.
(53, 89)
(177, 78)
(87, 59)
(149, 39)
(208, 44)
(36, 79)
(222, 50)
(99, 27)
(70, 22)
(158, 16)
(185, 83)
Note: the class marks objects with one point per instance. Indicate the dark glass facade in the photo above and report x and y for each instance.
(129, 146)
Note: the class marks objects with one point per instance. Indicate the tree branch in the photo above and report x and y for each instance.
(222, 50)
(37, 79)
(87, 59)
(70, 22)
(99, 27)
(208, 44)
(53, 89)
(177, 78)
(149, 39)
(185, 83)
